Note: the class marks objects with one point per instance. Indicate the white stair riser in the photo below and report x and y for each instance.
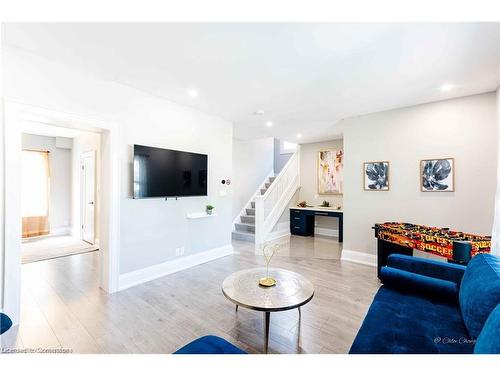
(248, 219)
(245, 228)
(250, 237)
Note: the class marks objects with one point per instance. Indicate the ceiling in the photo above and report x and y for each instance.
(306, 77)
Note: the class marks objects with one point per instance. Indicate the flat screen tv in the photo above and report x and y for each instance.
(160, 172)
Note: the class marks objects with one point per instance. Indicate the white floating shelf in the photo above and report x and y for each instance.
(199, 215)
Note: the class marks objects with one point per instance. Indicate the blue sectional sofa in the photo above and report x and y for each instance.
(5, 323)
(210, 345)
(425, 306)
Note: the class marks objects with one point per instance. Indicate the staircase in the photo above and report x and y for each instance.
(274, 200)
(245, 229)
(256, 222)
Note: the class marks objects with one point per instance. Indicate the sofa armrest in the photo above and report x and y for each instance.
(5, 323)
(419, 284)
(427, 267)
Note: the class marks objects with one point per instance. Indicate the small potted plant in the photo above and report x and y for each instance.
(209, 209)
(325, 204)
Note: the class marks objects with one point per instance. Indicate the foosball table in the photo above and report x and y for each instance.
(403, 238)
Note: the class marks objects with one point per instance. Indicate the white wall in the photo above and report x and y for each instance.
(309, 182)
(280, 159)
(496, 225)
(2, 228)
(252, 162)
(84, 143)
(60, 180)
(464, 128)
(150, 229)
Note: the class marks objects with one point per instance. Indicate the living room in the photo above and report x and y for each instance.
(309, 202)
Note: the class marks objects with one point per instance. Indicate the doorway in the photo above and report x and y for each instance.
(58, 195)
(15, 117)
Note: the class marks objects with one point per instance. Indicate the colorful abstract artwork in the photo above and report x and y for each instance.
(330, 172)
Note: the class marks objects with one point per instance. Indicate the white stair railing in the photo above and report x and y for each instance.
(270, 206)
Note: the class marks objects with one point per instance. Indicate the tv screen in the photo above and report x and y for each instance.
(159, 172)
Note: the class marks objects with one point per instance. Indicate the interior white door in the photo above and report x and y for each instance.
(87, 196)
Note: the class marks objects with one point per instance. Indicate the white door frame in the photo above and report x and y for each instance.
(83, 204)
(109, 195)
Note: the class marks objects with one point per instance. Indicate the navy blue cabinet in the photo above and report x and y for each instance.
(302, 221)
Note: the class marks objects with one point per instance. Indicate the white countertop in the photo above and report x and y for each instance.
(316, 208)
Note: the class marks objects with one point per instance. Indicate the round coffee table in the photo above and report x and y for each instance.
(291, 291)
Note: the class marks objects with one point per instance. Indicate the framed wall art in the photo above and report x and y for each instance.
(437, 175)
(376, 176)
(330, 172)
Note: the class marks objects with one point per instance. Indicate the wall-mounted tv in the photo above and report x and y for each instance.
(160, 172)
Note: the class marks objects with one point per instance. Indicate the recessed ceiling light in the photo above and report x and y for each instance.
(192, 93)
(299, 135)
(269, 124)
(446, 87)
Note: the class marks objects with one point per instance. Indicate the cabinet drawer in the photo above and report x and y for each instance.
(297, 229)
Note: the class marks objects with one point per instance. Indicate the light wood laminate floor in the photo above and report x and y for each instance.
(63, 307)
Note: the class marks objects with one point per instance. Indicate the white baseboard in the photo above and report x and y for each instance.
(279, 234)
(326, 232)
(143, 275)
(61, 231)
(359, 257)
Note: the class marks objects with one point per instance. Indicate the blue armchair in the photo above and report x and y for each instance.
(427, 306)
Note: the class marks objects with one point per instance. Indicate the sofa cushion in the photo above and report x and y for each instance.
(401, 322)
(479, 291)
(419, 284)
(210, 345)
(488, 341)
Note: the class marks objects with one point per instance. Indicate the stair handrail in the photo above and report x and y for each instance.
(266, 217)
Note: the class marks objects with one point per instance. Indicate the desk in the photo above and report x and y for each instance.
(302, 220)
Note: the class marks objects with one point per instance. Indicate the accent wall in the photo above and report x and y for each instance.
(309, 183)
(465, 129)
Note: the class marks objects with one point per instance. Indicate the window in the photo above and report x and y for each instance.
(35, 193)
(287, 147)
